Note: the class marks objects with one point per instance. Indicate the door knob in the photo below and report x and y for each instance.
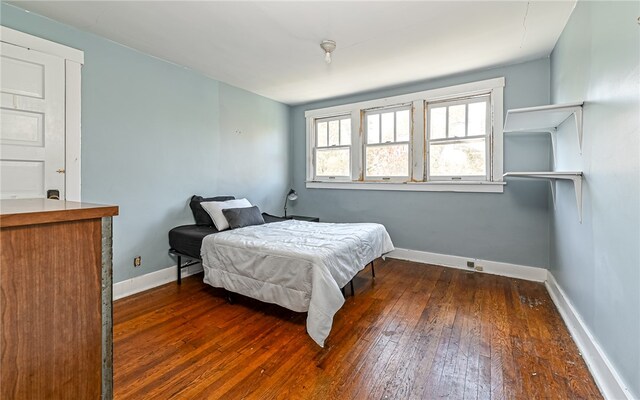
(60, 171)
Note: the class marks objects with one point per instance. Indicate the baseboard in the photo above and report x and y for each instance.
(151, 280)
(166, 275)
(607, 378)
(490, 267)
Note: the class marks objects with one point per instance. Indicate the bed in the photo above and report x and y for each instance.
(296, 264)
(299, 265)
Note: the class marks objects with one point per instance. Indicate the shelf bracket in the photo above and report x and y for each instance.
(553, 177)
(552, 133)
(577, 116)
(577, 186)
(545, 119)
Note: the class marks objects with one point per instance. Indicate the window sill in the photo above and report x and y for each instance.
(460, 186)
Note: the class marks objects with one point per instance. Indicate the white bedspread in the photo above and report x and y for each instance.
(297, 264)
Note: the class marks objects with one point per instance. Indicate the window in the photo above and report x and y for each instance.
(387, 145)
(458, 139)
(446, 139)
(333, 147)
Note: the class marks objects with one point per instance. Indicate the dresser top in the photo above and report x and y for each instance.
(21, 212)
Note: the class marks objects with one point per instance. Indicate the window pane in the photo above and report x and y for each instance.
(465, 157)
(390, 160)
(456, 120)
(345, 132)
(403, 123)
(477, 119)
(387, 127)
(322, 134)
(373, 128)
(334, 133)
(332, 162)
(438, 128)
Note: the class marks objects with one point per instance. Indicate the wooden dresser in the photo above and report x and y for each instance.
(55, 300)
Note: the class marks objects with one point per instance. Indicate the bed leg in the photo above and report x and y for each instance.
(373, 271)
(179, 270)
(228, 296)
(352, 292)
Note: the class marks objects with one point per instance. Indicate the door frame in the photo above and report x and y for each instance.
(74, 59)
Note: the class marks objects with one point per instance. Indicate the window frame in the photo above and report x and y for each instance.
(418, 179)
(487, 137)
(365, 133)
(338, 118)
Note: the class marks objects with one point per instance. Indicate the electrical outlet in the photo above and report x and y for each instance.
(479, 268)
(471, 264)
(137, 261)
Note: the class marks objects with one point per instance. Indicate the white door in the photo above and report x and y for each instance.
(32, 123)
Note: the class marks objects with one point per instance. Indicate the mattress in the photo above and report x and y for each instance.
(296, 264)
(187, 239)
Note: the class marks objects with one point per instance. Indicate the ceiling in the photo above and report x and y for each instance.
(272, 48)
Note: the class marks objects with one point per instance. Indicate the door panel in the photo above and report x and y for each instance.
(32, 136)
(24, 179)
(23, 128)
(22, 77)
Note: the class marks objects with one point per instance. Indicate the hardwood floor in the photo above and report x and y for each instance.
(416, 331)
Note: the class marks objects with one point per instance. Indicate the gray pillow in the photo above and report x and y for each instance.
(241, 217)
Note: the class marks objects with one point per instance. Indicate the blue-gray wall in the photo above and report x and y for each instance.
(510, 227)
(597, 263)
(154, 133)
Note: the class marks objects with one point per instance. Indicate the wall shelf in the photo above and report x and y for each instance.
(554, 177)
(545, 119)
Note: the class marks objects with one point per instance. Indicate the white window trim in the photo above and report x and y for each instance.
(74, 59)
(496, 185)
(437, 186)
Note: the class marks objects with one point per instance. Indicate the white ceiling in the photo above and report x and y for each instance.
(272, 48)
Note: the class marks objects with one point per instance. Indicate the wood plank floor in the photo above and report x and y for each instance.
(414, 332)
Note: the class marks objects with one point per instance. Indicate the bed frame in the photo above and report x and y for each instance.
(193, 261)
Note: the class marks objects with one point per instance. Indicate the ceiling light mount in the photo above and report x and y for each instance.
(328, 46)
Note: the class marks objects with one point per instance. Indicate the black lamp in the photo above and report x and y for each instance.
(292, 195)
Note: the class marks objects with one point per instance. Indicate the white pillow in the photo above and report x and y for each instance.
(214, 209)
